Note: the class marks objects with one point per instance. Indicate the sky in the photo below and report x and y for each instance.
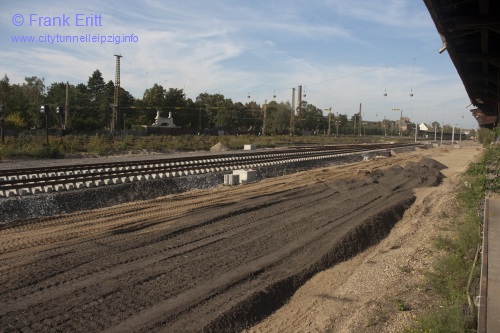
(343, 53)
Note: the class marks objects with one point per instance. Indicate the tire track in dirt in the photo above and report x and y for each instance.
(203, 255)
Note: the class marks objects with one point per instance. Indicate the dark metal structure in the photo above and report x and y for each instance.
(470, 31)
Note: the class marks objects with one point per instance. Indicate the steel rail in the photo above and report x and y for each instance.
(47, 179)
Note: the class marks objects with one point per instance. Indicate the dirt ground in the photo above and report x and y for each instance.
(364, 294)
(223, 259)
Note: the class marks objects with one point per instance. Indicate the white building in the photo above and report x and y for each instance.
(164, 122)
(425, 127)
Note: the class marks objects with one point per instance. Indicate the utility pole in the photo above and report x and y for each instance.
(299, 107)
(292, 114)
(354, 127)
(66, 107)
(116, 102)
(442, 128)
(2, 121)
(359, 130)
(329, 119)
(264, 121)
(337, 121)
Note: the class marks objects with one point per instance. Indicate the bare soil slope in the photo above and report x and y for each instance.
(217, 260)
(382, 289)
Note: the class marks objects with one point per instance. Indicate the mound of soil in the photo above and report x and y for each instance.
(219, 147)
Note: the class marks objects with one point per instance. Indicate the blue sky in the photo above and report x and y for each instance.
(342, 52)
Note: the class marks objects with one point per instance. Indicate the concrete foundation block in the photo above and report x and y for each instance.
(246, 176)
(230, 179)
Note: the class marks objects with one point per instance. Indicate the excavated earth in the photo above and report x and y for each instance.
(217, 260)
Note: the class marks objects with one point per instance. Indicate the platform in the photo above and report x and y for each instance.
(489, 299)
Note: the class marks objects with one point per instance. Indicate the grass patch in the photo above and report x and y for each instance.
(31, 145)
(450, 276)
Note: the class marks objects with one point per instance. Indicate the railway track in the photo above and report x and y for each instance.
(32, 181)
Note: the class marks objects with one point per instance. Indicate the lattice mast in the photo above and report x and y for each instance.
(116, 102)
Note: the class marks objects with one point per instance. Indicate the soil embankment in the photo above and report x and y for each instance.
(216, 260)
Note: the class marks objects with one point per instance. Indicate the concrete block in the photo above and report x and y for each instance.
(231, 179)
(69, 186)
(48, 189)
(80, 185)
(246, 176)
(250, 147)
(90, 183)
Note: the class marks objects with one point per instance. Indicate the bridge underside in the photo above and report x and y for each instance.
(470, 30)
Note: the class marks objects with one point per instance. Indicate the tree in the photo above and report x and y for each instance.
(4, 89)
(18, 102)
(211, 103)
(33, 90)
(56, 97)
(312, 118)
(153, 100)
(278, 118)
(101, 99)
(15, 121)
(81, 115)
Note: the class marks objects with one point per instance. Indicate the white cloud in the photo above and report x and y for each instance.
(258, 47)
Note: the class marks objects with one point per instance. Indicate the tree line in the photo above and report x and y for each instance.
(90, 108)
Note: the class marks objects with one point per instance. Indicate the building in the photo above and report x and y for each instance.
(164, 122)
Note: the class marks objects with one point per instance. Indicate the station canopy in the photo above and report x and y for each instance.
(470, 31)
